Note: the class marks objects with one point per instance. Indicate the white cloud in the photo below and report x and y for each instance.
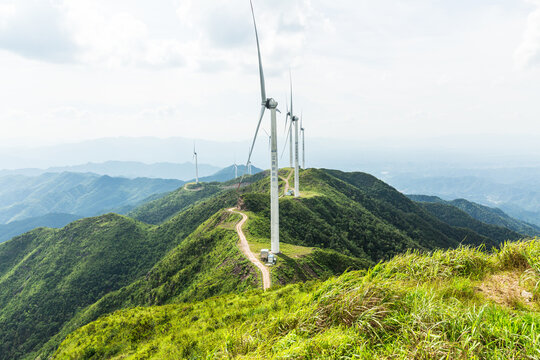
(528, 52)
(117, 39)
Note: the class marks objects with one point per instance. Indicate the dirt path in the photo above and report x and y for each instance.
(244, 247)
(286, 182)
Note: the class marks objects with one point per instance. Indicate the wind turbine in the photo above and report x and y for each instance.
(303, 142)
(196, 165)
(271, 104)
(294, 120)
(249, 167)
(289, 136)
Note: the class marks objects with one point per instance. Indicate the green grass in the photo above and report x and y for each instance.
(415, 306)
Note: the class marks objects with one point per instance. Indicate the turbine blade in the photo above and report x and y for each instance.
(263, 108)
(261, 74)
(287, 138)
(290, 78)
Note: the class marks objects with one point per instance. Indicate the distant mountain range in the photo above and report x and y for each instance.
(485, 214)
(53, 220)
(521, 201)
(128, 169)
(56, 199)
(23, 197)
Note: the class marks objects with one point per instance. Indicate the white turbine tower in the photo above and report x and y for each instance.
(196, 165)
(294, 120)
(303, 142)
(249, 167)
(235, 170)
(271, 104)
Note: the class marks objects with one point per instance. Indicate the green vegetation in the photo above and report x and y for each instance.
(55, 281)
(426, 306)
(19, 227)
(484, 214)
(159, 210)
(455, 217)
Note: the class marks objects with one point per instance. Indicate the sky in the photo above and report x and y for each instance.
(366, 71)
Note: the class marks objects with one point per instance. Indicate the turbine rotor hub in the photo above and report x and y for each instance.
(271, 103)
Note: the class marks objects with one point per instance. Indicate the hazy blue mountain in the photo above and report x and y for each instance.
(517, 200)
(129, 169)
(23, 197)
(15, 228)
(485, 214)
(228, 173)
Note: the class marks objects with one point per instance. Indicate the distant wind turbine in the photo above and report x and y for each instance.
(271, 104)
(303, 142)
(294, 121)
(196, 165)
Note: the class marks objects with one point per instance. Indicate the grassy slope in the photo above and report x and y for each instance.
(414, 306)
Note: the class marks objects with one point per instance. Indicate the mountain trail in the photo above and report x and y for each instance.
(244, 247)
(287, 186)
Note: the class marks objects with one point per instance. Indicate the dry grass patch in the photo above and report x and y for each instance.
(505, 289)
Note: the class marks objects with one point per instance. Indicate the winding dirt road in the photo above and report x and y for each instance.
(244, 247)
(286, 180)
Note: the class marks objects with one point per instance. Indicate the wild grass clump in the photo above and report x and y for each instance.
(415, 306)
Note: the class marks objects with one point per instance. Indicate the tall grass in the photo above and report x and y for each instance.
(415, 306)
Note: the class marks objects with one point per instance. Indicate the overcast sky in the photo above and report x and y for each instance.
(362, 69)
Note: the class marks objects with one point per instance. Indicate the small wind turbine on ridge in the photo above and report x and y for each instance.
(196, 165)
(303, 142)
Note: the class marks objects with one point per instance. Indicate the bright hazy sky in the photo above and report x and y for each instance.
(362, 69)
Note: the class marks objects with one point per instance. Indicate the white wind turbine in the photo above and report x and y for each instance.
(294, 121)
(196, 165)
(303, 142)
(271, 104)
(249, 167)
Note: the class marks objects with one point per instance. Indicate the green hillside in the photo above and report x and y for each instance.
(444, 305)
(485, 214)
(19, 227)
(456, 217)
(54, 281)
(47, 276)
(159, 210)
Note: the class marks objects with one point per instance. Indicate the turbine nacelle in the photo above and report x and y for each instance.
(294, 118)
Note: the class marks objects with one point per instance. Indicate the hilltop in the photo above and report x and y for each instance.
(185, 251)
(453, 304)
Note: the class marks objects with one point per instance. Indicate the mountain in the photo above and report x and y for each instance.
(485, 214)
(228, 173)
(518, 200)
(454, 304)
(128, 169)
(55, 281)
(53, 220)
(23, 197)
